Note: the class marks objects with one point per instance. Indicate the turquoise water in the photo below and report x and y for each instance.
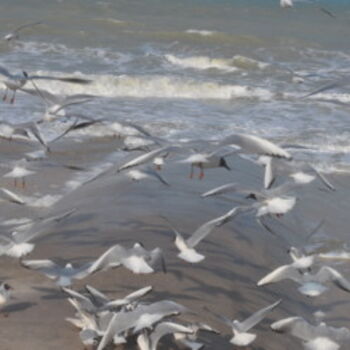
(193, 68)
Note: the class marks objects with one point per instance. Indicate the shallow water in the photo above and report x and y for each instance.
(193, 68)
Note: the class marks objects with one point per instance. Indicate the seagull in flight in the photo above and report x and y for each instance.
(240, 329)
(16, 81)
(14, 35)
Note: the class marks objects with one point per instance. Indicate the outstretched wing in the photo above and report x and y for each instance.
(258, 316)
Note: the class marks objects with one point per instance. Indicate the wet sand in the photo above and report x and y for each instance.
(112, 209)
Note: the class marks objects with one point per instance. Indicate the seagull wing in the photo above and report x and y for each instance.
(297, 327)
(98, 297)
(153, 173)
(47, 267)
(255, 144)
(138, 293)
(41, 226)
(73, 80)
(230, 187)
(334, 84)
(147, 157)
(27, 25)
(11, 196)
(165, 328)
(203, 231)
(258, 316)
(110, 258)
(5, 72)
(281, 273)
(322, 178)
(327, 273)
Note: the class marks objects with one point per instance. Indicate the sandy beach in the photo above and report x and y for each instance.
(114, 210)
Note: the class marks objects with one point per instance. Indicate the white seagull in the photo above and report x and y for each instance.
(16, 81)
(320, 337)
(241, 337)
(312, 285)
(14, 35)
(63, 275)
(186, 246)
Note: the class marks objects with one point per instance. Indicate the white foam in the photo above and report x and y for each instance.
(154, 86)
(202, 62)
(202, 32)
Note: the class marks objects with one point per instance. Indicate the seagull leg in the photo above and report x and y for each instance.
(5, 95)
(15, 182)
(201, 174)
(23, 183)
(191, 173)
(12, 101)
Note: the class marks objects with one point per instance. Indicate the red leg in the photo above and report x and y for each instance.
(191, 173)
(5, 95)
(201, 174)
(13, 97)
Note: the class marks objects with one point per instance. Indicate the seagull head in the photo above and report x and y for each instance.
(7, 287)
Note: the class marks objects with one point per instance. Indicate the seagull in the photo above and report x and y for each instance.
(148, 157)
(300, 172)
(112, 305)
(286, 3)
(62, 275)
(17, 244)
(10, 196)
(136, 259)
(312, 285)
(145, 173)
(149, 340)
(317, 337)
(19, 171)
(339, 83)
(92, 326)
(56, 104)
(204, 161)
(9, 130)
(16, 81)
(5, 293)
(190, 340)
(14, 35)
(251, 144)
(241, 337)
(186, 246)
(144, 316)
(274, 201)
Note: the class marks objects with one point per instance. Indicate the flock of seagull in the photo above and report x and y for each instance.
(103, 321)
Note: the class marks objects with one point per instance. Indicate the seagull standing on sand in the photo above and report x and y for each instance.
(5, 293)
(205, 161)
(19, 172)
